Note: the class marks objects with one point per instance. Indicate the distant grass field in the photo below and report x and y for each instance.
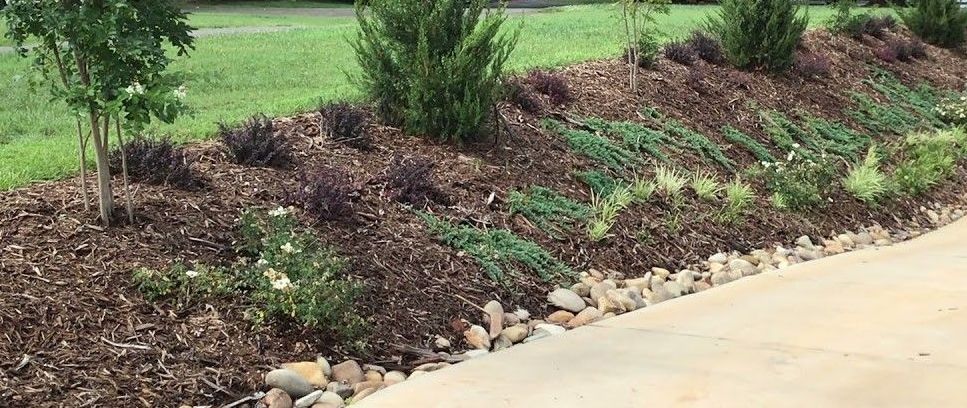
(231, 77)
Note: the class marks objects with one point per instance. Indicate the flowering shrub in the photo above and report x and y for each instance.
(284, 274)
(294, 276)
(798, 183)
(953, 110)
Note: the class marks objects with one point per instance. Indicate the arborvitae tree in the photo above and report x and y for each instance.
(939, 22)
(432, 67)
(759, 33)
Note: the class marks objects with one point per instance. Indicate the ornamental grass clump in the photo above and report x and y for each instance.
(433, 68)
(866, 181)
(739, 196)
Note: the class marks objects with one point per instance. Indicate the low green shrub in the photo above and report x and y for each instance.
(953, 110)
(498, 251)
(183, 283)
(648, 48)
(837, 138)
(939, 22)
(550, 211)
(799, 183)
(699, 143)
(285, 274)
(928, 158)
(866, 181)
(759, 33)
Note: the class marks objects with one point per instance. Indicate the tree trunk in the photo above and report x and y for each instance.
(124, 170)
(82, 157)
(105, 193)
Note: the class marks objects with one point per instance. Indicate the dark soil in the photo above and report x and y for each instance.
(74, 331)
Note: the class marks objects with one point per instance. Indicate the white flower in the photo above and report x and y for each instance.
(289, 249)
(191, 274)
(261, 262)
(279, 212)
(283, 284)
(790, 155)
(181, 92)
(135, 89)
(795, 145)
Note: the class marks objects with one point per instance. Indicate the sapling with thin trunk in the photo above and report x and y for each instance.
(105, 59)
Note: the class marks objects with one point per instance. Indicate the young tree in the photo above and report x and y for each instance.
(432, 67)
(759, 33)
(106, 60)
(638, 18)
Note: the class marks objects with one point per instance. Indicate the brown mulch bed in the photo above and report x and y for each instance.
(74, 332)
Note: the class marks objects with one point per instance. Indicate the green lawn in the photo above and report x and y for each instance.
(277, 3)
(233, 76)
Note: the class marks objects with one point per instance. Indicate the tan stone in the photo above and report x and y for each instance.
(348, 372)
(560, 317)
(311, 371)
(495, 315)
(477, 337)
(588, 315)
(516, 333)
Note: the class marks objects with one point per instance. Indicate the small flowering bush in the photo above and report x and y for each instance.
(284, 275)
(798, 183)
(953, 110)
(294, 276)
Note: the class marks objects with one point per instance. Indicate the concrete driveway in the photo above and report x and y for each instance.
(875, 328)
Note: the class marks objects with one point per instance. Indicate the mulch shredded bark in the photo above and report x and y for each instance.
(75, 332)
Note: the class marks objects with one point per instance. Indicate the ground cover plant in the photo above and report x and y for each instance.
(498, 251)
(548, 210)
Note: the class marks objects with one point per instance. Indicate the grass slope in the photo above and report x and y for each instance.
(233, 76)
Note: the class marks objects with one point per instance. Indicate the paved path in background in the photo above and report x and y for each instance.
(874, 328)
(209, 32)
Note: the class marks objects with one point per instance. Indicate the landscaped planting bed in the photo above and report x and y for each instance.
(428, 231)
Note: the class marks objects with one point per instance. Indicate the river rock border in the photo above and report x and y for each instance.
(596, 296)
